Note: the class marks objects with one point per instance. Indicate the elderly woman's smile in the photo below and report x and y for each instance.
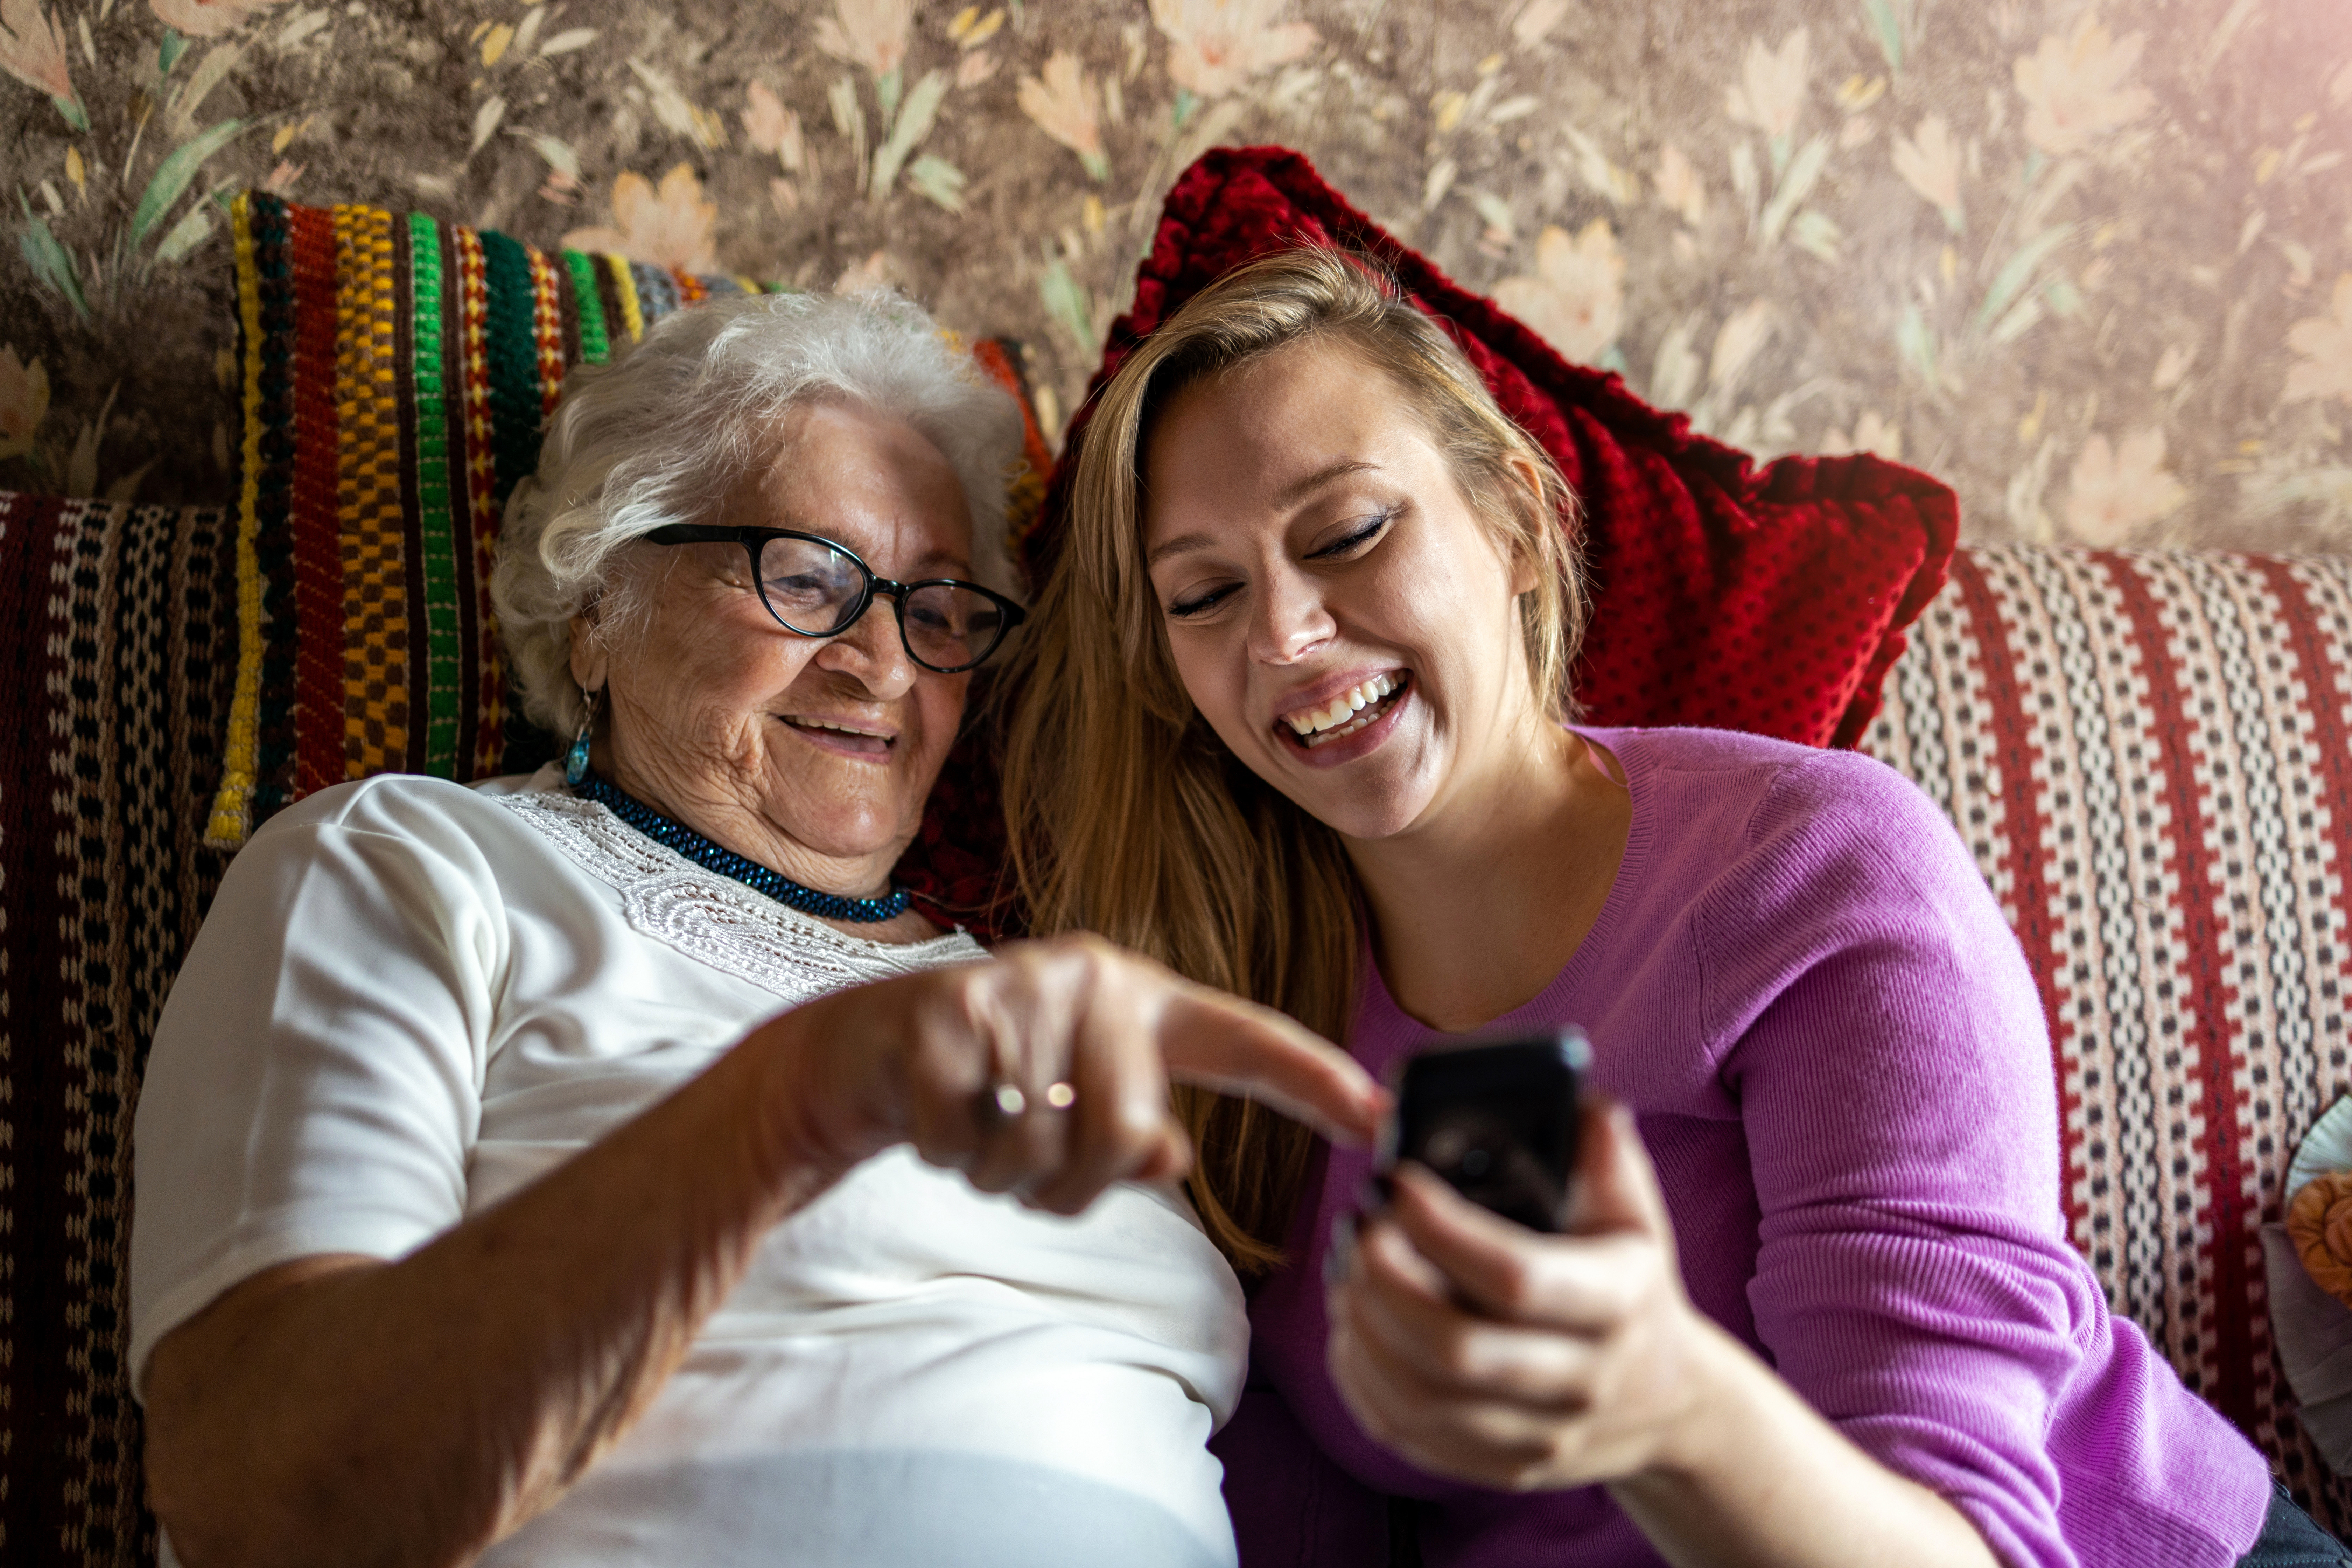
(811, 755)
(849, 739)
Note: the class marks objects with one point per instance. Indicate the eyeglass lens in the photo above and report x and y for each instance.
(813, 588)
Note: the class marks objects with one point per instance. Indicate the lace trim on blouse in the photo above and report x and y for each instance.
(716, 920)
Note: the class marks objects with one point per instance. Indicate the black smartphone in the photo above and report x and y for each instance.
(1497, 1119)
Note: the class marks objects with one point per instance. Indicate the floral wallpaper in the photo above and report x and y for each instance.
(2090, 262)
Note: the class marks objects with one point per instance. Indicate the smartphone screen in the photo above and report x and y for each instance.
(1497, 1119)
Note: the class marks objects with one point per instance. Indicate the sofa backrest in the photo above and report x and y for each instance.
(117, 643)
(2146, 752)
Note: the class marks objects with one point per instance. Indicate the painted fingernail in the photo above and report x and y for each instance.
(1340, 1255)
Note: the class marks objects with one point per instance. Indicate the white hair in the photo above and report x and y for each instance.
(667, 431)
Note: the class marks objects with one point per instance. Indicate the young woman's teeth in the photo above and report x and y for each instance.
(1346, 713)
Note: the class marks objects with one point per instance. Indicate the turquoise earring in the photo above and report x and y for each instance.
(575, 760)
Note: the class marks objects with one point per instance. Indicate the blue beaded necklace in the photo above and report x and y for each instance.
(677, 836)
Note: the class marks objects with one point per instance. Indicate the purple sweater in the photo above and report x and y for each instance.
(1802, 988)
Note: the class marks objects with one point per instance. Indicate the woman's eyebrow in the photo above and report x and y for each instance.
(940, 561)
(1290, 495)
(1176, 546)
(1299, 489)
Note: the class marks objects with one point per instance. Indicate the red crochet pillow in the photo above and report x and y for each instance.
(1768, 600)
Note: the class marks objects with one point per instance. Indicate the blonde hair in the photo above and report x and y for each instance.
(1129, 815)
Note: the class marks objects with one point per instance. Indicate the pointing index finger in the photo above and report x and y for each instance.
(1239, 1047)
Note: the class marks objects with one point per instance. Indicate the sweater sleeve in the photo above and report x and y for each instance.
(1883, 1037)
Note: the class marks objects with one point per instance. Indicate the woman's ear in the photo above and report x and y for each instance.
(587, 650)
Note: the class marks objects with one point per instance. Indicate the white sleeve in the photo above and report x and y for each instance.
(315, 1082)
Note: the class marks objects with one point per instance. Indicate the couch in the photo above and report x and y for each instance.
(2146, 752)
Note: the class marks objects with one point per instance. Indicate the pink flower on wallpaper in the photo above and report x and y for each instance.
(2325, 345)
(2073, 88)
(208, 18)
(2117, 491)
(878, 270)
(23, 401)
(1770, 93)
(1680, 189)
(33, 48)
(1929, 162)
(771, 127)
(869, 33)
(672, 227)
(1576, 298)
(1872, 433)
(1068, 108)
(1215, 45)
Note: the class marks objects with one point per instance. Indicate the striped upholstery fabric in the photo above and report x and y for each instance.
(2146, 753)
(121, 641)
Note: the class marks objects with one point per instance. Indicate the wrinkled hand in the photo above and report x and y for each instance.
(1481, 1349)
(917, 1060)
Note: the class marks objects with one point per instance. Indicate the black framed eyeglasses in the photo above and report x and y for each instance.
(819, 589)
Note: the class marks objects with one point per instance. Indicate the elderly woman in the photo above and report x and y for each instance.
(610, 1166)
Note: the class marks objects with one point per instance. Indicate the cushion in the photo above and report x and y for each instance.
(2151, 755)
(1767, 599)
(121, 635)
(395, 371)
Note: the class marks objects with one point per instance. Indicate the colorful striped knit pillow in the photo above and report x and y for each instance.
(395, 373)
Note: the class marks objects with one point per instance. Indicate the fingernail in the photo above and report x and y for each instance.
(1340, 1255)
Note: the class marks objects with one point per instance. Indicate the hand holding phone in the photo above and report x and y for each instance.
(1497, 1119)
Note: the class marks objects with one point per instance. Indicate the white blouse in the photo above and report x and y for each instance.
(412, 998)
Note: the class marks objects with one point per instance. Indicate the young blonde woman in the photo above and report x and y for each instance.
(1292, 723)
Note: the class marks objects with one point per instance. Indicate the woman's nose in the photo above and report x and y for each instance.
(1291, 619)
(871, 652)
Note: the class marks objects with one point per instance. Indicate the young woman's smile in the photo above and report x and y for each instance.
(1337, 610)
(1344, 717)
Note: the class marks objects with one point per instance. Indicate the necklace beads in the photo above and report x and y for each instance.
(678, 836)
